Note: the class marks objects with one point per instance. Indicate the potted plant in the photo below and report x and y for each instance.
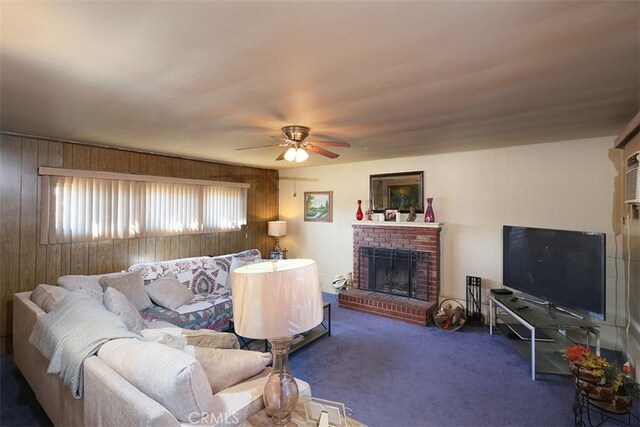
(602, 382)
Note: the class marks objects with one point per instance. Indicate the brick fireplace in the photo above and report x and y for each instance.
(422, 242)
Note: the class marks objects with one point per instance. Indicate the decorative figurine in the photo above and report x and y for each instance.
(412, 214)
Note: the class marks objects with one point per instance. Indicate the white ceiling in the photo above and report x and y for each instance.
(200, 79)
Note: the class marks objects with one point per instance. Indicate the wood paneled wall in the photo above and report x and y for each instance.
(24, 262)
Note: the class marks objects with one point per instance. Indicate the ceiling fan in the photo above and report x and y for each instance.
(296, 148)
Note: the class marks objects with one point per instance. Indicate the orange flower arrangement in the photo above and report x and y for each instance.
(581, 356)
(594, 365)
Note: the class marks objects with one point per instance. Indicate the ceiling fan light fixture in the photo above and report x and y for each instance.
(301, 155)
(290, 155)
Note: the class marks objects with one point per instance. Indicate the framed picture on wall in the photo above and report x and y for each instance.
(318, 206)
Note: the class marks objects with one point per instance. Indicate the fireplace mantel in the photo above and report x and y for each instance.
(398, 224)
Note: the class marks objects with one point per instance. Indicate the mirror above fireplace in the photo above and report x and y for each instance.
(399, 191)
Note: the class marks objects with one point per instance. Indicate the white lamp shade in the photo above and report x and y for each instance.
(276, 299)
(277, 228)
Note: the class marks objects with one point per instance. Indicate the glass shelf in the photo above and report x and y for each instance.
(544, 356)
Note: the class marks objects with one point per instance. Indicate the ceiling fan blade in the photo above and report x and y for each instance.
(257, 146)
(281, 156)
(322, 152)
(329, 143)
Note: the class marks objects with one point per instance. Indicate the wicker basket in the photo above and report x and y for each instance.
(450, 315)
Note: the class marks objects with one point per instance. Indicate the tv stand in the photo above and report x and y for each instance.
(550, 307)
(545, 356)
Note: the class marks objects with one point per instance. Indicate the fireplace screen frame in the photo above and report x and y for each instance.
(368, 254)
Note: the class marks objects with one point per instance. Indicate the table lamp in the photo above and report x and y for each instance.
(276, 300)
(277, 229)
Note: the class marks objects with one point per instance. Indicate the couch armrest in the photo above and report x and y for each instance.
(110, 400)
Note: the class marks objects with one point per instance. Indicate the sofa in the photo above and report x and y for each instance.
(115, 390)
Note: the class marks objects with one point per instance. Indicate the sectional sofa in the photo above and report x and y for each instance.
(132, 381)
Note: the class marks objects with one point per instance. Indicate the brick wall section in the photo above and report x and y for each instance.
(416, 238)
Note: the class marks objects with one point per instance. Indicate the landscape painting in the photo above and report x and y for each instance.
(318, 206)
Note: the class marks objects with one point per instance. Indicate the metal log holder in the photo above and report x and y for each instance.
(474, 300)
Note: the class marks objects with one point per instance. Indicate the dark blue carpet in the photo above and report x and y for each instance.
(391, 373)
(18, 404)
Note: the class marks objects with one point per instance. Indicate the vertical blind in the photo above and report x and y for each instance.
(81, 208)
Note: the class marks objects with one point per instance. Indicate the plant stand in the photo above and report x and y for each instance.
(586, 413)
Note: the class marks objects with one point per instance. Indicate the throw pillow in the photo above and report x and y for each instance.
(46, 296)
(117, 303)
(131, 285)
(79, 282)
(225, 367)
(168, 292)
(171, 377)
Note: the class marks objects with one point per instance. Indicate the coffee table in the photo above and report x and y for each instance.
(261, 419)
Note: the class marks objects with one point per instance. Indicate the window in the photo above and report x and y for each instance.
(83, 206)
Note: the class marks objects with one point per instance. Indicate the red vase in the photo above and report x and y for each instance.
(359, 214)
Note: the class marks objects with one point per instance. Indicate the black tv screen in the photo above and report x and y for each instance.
(566, 268)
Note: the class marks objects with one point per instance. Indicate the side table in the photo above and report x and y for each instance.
(299, 342)
(299, 417)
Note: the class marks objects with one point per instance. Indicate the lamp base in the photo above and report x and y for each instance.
(281, 391)
(277, 246)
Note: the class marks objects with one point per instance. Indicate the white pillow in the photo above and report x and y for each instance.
(171, 377)
(117, 303)
(131, 285)
(227, 367)
(169, 293)
(46, 296)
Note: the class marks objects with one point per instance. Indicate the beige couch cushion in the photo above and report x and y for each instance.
(171, 377)
(131, 285)
(46, 296)
(199, 338)
(228, 367)
(117, 303)
(169, 293)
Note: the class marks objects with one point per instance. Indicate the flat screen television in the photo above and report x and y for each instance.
(564, 268)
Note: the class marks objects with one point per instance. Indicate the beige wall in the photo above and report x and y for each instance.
(567, 185)
(632, 266)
